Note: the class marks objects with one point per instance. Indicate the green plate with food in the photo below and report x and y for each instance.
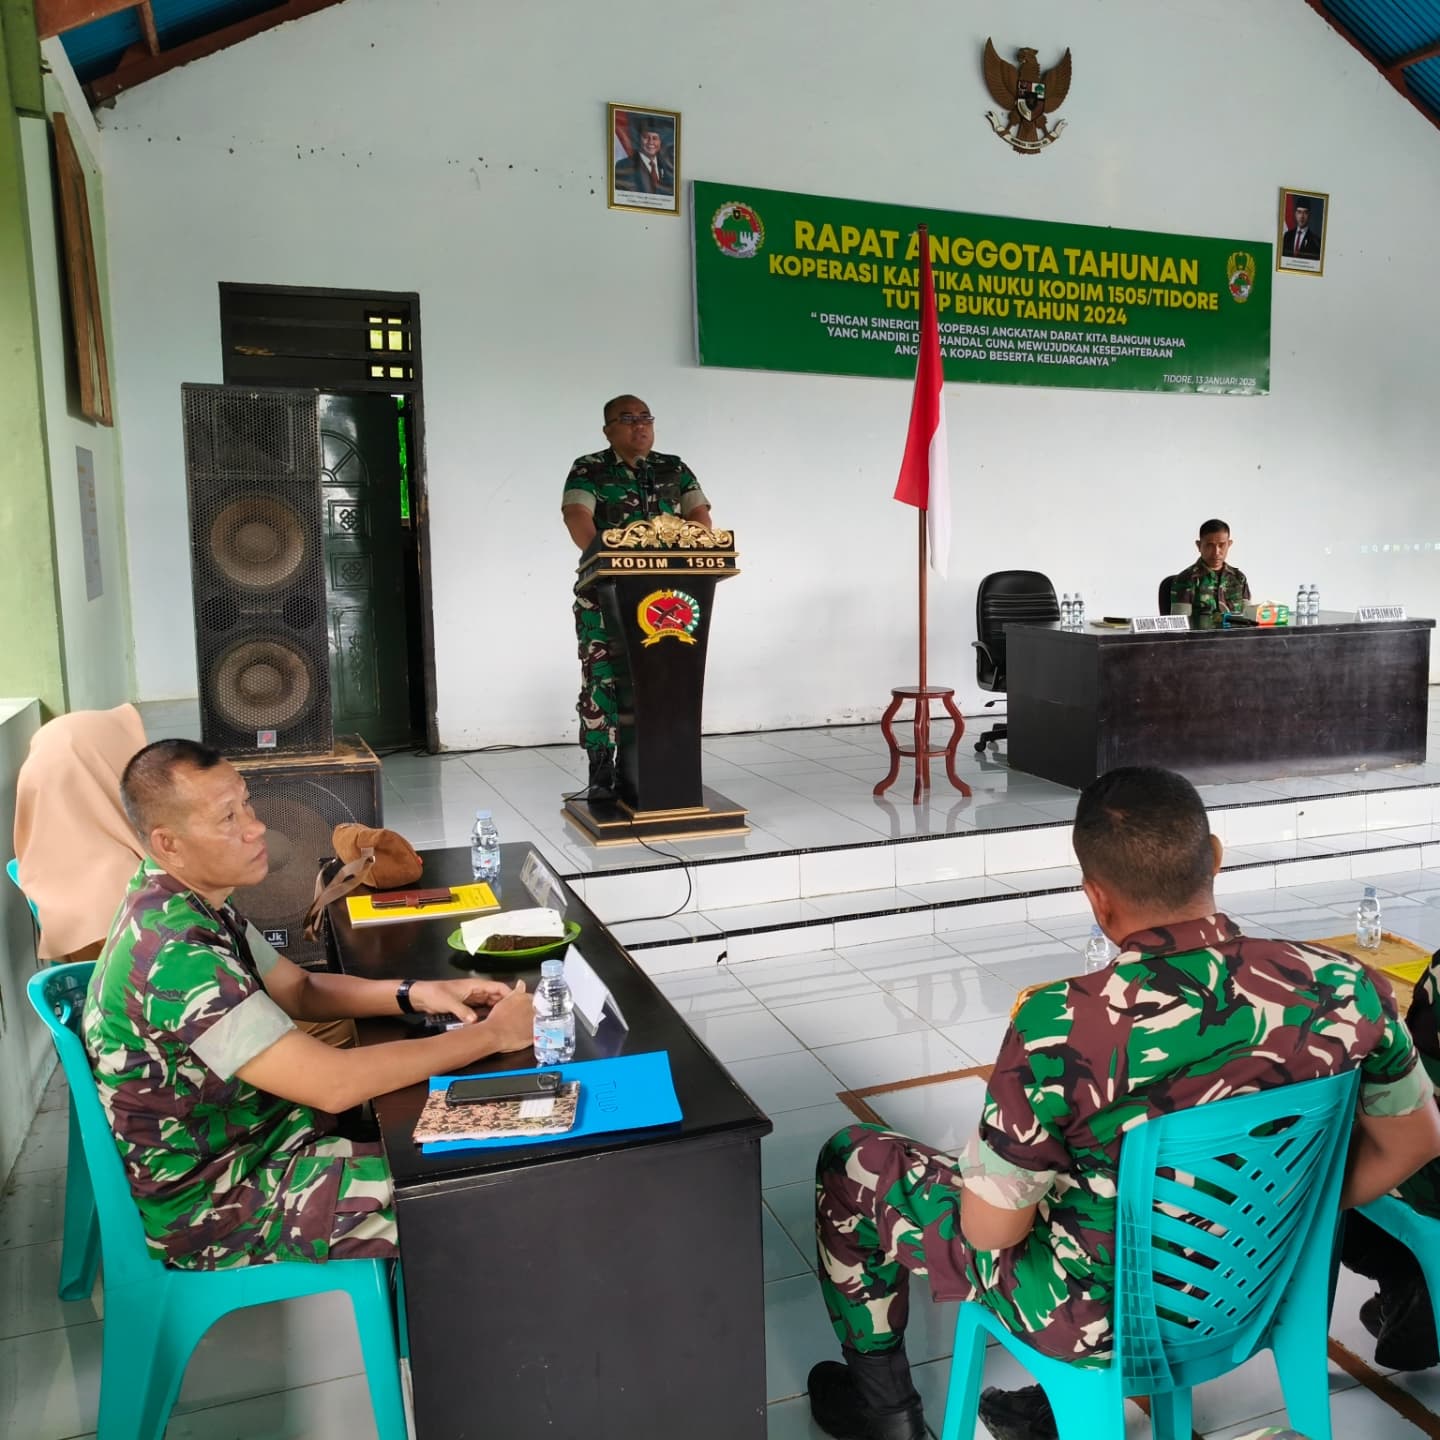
(519, 955)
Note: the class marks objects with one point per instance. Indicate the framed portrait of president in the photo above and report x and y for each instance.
(1300, 241)
(644, 169)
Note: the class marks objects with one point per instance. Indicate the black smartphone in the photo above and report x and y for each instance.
(540, 1083)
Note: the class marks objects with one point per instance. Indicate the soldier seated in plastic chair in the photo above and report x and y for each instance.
(1023, 1221)
(225, 1114)
(1400, 1314)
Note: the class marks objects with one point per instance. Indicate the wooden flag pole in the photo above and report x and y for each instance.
(921, 695)
(922, 703)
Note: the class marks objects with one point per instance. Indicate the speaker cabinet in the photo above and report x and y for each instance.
(252, 479)
(302, 799)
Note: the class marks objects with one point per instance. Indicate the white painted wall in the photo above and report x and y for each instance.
(458, 150)
(98, 647)
(26, 1055)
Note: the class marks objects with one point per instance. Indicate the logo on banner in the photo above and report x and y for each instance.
(738, 230)
(668, 615)
(1240, 275)
(1026, 98)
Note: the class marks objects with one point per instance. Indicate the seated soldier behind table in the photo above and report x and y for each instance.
(1400, 1315)
(224, 1113)
(1024, 1220)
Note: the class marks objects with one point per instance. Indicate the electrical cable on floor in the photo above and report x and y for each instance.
(689, 887)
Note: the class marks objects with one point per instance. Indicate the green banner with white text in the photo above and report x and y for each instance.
(806, 282)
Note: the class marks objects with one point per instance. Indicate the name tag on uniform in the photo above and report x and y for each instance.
(1379, 612)
(1149, 624)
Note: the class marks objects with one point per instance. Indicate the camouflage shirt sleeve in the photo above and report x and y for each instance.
(1424, 1021)
(692, 497)
(209, 1002)
(1017, 1153)
(1392, 1079)
(262, 952)
(580, 484)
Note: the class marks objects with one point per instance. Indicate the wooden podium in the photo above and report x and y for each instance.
(654, 581)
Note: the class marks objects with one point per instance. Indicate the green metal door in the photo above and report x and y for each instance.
(368, 534)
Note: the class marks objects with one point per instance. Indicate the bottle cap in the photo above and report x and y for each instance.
(1095, 930)
(482, 815)
(1369, 892)
(550, 969)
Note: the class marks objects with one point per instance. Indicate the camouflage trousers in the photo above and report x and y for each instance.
(597, 706)
(888, 1207)
(334, 1201)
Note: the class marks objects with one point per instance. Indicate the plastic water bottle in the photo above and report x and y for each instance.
(554, 1016)
(1312, 604)
(1067, 612)
(485, 848)
(1077, 612)
(1098, 952)
(1367, 920)
(1301, 614)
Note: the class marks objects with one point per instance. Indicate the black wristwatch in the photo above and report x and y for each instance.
(402, 998)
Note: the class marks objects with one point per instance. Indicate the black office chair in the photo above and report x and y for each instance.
(1163, 603)
(1005, 597)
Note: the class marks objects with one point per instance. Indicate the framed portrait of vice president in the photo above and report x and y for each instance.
(1303, 223)
(644, 170)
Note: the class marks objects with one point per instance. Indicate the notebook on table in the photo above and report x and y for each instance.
(624, 1092)
(514, 1119)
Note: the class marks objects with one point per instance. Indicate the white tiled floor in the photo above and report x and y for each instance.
(794, 1031)
(812, 788)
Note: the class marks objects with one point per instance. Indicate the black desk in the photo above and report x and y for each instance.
(1242, 704)
(578, 1290)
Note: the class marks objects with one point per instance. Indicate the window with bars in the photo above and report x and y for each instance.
(390, 339)
(341, 340)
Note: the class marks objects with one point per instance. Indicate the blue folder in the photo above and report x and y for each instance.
(625, 1092)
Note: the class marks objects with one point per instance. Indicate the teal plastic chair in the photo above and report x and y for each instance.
(80, 1252)
(1266, 1172)
(1418, 1233)
(12, 869)
(155, 1316)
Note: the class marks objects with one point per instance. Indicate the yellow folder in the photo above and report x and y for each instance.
(468, 900)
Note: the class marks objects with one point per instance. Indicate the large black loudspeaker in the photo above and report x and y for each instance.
(252, 472)
(301, 801)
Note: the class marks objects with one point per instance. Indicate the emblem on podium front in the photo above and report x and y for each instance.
(668, 615)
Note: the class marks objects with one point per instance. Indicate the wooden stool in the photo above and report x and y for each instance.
(922, 750)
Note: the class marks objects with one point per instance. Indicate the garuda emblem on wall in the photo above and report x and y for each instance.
(1027, 99)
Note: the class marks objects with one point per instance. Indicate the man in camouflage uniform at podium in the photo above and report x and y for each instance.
(628, 481)
(1023, 1220)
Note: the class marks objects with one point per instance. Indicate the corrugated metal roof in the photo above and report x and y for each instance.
(1390, 32)
(96, 49)
(1385, 31)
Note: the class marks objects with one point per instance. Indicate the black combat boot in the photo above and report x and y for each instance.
(1018, 1414)
(602, 775)
(870, 1397)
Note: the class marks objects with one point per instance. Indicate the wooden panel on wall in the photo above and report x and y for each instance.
(86, 312)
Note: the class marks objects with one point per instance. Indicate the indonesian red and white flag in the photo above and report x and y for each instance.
(925, 472)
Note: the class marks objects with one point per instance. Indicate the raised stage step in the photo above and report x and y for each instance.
(793, 902)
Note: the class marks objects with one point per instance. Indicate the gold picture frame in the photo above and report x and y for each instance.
(643, 171)
(1303, 223)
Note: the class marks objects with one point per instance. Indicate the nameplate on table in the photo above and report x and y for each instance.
(589, 992)
(1150, 624)
(542, 883)
(1368, 613)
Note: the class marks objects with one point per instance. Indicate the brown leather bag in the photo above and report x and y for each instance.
(395, 861)
(380, 858)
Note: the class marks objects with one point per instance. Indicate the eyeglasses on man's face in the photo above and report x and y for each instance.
(627, 419)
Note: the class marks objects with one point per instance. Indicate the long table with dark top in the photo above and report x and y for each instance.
(596, 1289)
(1247, 703)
